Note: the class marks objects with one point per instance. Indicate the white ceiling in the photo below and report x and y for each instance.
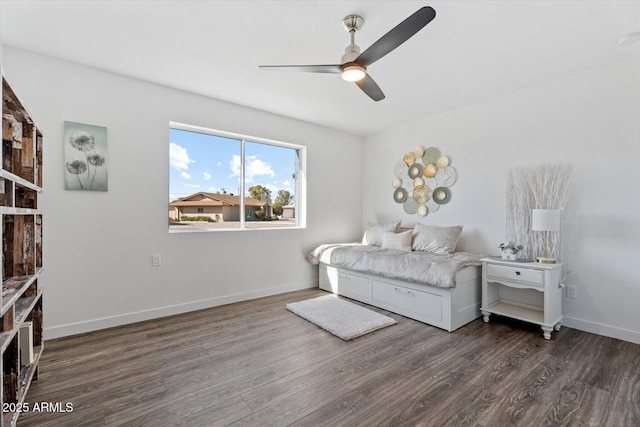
(471, 52)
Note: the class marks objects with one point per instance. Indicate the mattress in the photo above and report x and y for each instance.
(414, 266)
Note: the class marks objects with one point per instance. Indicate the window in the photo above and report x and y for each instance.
(210, 169)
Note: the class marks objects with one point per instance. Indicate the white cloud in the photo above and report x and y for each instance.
(185, 175)
(286, 183)
(274, 190)
(178, 157)
(192, 185)
(254, 167)
(206, 176)
(219, 164)
(212, 189)
(234, 165)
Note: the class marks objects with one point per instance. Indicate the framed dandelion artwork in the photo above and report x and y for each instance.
(85, 157)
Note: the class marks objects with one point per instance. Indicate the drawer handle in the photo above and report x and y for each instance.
(517, 273)
(404, 291)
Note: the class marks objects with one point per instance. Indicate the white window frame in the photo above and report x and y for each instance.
(301, 182)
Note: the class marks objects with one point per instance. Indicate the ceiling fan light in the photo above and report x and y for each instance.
(353, 73)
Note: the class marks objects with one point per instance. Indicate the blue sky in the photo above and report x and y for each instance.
(200, 162)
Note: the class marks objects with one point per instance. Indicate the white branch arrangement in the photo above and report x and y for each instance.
(540, 187)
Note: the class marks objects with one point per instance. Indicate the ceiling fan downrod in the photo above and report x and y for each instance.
(352, 23)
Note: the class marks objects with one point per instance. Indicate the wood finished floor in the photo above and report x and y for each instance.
(256, 364)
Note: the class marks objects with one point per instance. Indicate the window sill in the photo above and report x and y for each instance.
(216, 230)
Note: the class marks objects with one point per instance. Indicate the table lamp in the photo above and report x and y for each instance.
(545, 220)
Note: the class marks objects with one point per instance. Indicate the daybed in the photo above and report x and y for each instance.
(412, 272)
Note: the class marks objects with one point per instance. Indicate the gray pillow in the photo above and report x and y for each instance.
(399, 241)
(374, 232)
(437, 240)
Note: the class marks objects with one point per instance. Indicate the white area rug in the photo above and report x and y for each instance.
(339, 317)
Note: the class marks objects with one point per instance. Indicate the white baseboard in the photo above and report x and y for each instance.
(602, 329)
(140, 316)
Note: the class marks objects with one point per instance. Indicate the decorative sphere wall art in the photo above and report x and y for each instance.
(422, 179)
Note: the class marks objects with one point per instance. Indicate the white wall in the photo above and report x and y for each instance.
(97, 255)
(591, 121)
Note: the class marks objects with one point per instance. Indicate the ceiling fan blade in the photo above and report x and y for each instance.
(398, 35)
(371, 88)
(330, 69)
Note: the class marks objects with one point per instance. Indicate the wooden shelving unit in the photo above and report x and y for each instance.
(21, 342)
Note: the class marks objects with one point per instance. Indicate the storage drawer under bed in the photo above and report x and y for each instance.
(344, 283)
(422, 303)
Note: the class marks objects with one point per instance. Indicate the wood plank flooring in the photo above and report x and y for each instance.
(256, 364)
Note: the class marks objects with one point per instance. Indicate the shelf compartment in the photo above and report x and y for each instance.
(10, 372)
(29, 372)
(6, 192)
(26, 197)
(517, 312)
(35, 317)
(18, 245)
(14, 287)
(24, 306)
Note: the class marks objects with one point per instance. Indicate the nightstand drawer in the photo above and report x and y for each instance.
(515, 274)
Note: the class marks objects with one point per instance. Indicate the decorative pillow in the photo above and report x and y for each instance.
(399, 241)
(437, 240)
(374, 232)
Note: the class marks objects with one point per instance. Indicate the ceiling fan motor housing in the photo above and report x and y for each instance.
(351, 52)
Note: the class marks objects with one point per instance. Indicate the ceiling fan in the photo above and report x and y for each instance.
(354, 64)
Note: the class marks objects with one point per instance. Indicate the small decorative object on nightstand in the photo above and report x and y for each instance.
(510, 250)
(531, 292)
(545, 220)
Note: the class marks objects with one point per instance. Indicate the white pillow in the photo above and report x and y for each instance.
(437, 240)
(398, 241)
(374, 232)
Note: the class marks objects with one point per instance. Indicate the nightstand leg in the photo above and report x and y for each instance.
(486, 315)
(547, 332)
(557, 327)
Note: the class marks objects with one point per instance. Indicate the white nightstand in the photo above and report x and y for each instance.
(528, 291)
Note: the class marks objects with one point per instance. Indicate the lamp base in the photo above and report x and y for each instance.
(544, 260)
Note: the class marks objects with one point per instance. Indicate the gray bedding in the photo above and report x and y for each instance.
(415, 266)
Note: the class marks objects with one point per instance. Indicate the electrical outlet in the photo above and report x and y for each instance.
(156, 260)
(572, 292)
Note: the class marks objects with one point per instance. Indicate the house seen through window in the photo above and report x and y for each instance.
(215, 176)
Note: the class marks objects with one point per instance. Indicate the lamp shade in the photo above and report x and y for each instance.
(545, 220)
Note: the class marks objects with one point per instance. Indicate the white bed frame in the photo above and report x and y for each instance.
(446, 308)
